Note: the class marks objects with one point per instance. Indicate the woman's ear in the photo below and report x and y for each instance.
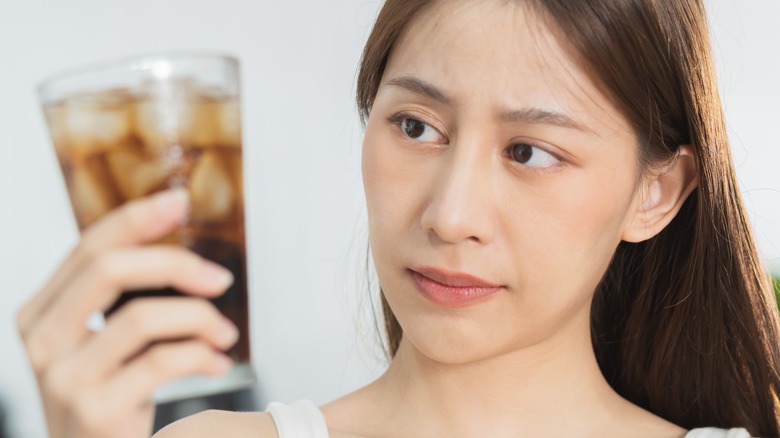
(662, 196)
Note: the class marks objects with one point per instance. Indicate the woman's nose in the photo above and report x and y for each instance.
(461, 203)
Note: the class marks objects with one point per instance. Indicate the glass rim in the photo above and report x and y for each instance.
(132, 62)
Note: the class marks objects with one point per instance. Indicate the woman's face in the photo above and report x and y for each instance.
(498, 181)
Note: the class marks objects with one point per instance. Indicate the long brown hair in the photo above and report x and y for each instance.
(684, 324)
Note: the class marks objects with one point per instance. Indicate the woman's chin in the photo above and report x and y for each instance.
(451, 345)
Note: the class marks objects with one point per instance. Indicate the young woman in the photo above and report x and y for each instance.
(555, 222)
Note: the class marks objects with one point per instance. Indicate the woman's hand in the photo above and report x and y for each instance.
(99, 384)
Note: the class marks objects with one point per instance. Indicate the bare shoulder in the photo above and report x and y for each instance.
(215, 423)
(662, 428)
(642, 423)
(362, 413)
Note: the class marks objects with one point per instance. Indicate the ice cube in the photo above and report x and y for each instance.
(157, 121)
(109, 126)
(90, 191)
(165, 111)
(136, 173)
(78, 129)
(85, 126)
(187, 112)
(202, 126)
(211, 190)
(234, 166)
(55, 118)
(230, 123)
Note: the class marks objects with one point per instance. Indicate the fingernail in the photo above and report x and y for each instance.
(222, 364)
(218, 274)
(228, 333)
(173, 199)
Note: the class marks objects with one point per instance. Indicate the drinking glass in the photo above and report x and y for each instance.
(128, 128)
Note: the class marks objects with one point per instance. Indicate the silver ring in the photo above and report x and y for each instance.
(96, 322)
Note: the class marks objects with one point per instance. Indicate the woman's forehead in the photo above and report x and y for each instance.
(499, 54)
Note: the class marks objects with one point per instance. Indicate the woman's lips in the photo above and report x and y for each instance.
(452, 289)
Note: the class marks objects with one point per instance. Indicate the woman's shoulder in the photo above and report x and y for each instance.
(305, 414)
(222, 423)
(299, 419)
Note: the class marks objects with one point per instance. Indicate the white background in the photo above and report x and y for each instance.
(302, 137)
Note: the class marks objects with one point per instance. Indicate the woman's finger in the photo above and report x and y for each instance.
(63, 325)
(118, 404)
(138, 221)
(139, 324)
(132, 387)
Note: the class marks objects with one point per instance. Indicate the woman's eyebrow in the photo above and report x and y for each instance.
(419, 86)
(534, 115)
(529, 115)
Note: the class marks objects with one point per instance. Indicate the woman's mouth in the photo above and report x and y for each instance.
(450, 288)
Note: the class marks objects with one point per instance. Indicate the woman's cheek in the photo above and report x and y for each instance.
(378, 179)
(383, 184)
(392, 173)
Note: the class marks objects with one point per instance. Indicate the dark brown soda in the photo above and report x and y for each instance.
(232, 304)
(136, 159)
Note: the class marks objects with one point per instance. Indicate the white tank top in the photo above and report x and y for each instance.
(303, 419)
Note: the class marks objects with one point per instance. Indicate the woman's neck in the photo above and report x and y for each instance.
(552, 388)
(534, 386)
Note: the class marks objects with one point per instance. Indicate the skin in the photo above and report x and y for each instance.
(449, 193)
(100, 384)
(454, 198)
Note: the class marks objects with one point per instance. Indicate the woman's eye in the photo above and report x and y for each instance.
(532, 156)
(420, 131)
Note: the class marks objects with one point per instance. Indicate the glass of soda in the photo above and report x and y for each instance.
(129, 128)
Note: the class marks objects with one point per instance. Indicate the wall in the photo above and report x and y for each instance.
(306, 214)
